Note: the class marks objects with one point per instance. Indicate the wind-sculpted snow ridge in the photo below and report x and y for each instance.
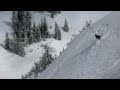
(90, 58)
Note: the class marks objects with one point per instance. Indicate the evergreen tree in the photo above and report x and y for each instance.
(53, 13)
(30, 36)
(45, 28)
(28, 20)
(19, 31)
(18, 48)
(57, 32)
(34, 33)
(7, 42)
(21, 21)
(21, 15)
(14, 20)
(28, 25)
(42, 28)
(47, 58)
(39, 32)
(37, 35)
(66, 28)
(15, 23)
(14, 46)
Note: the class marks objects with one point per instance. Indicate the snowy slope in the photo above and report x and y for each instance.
(13, 66)
(87, 57)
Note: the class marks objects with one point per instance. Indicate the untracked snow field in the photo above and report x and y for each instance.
(13, 66)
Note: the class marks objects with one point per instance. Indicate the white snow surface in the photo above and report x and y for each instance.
(89, 58)
(13, 66)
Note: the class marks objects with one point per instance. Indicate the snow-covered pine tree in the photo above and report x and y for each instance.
(65, 27)
(45, 28)
(30, 36)
(34, 33)
(41, 28)
(15, 24)
(28, 27)
(46, 59)
(14, 46)
(39, 32)
(37, 35)
(18, 48)
(21, 15)
(14, 20)
(53, 13)
(21, 21)
(19, 24)
(28, 20)
(7, 42)
(57, 32)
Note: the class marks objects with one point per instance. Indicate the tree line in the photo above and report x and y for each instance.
(25, 33)
(52, 13)
(41, 65)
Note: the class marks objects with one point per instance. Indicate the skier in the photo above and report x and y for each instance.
(98, 36)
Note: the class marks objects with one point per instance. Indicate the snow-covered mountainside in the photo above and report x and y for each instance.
(88, 57)
(13, 66)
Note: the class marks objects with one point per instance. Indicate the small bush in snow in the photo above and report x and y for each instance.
(88, 24)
